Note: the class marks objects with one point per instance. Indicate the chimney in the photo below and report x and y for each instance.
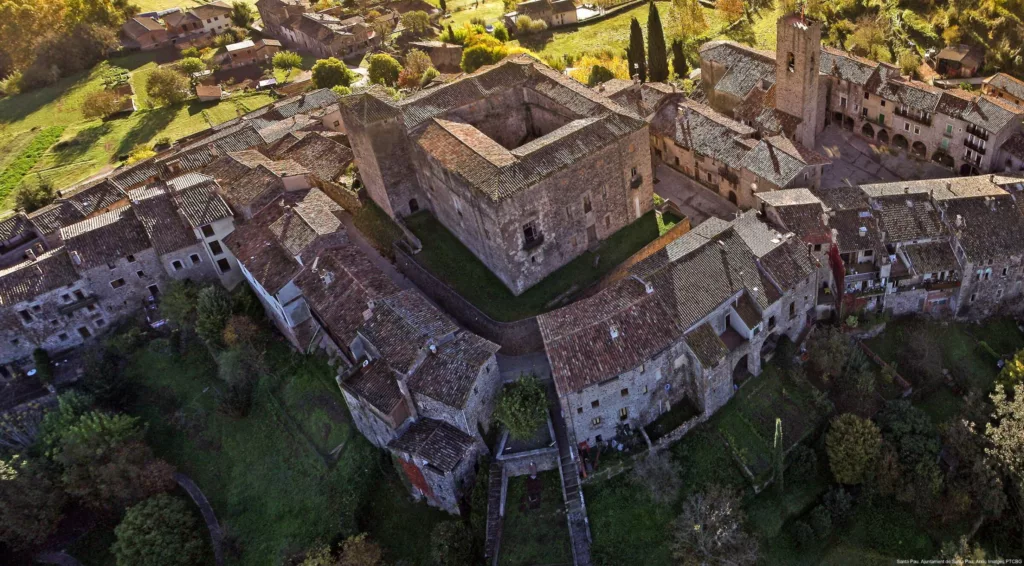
(76, 259)
(959, 221)
(30, 254)
(433, 349)
(862, 231)
(213, 150)
(614, 332)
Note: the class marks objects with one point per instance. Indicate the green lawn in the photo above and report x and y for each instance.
(272, 491)
(535, 536)
(378, 228)
(627, 526)
(445, 256)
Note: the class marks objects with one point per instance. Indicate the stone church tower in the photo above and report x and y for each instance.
(797, 88)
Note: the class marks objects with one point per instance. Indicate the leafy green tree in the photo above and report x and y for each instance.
(1006, 433)
(167, 86)
(479, 55)
(500, 32)
(360, 550)
(821, 521)
(160, 531)
(30, 502)
(657, 54)
(191, 52)
(331, 72)
(105, 463)
(178, 304)
(829, 349)
(1012, 374)
(522, 407)
(710, 530)
(33, 196)
(71, 405)
(416, 23)
(852, 444)
(635, 52)
(213, 308)
(341, 90)
(451, 544)
(691, 19)
(287, 61)
(384, 69)
(416, 64)
(101, 104)
(910, 431)
(242, 14)
(679, 65)
(191, 66)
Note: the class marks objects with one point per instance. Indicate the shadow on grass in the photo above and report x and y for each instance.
(150, 123)
(71, 149)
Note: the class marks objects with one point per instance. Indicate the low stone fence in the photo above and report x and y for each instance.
(664, 442)
(515, 338)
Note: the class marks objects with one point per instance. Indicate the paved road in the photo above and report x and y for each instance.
(697, 202)
(512, 367)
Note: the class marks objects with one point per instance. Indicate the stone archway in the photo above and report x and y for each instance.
(944, 159)
(919, 150)
(732, 197)
(867, 131)
(848, 123)
(900, 142)
(414, 206)
(883, 136)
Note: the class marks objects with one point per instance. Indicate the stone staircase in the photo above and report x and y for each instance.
(575, 508)
(497, 487)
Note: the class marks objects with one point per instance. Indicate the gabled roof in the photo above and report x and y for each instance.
(440, 444)
(199, 203)
(55, 216)
(376, 384)
(450, 374)
(989, 227)
(91, 196)
(159, 216)
(105, 238)
(13, 226)
(324, 157)
(401, 327)
(931, 258)
(29, 279)
(908, 217)
(706, 345)
(1008, 83)
(747, 67)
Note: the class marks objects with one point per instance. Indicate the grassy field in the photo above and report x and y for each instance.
(445, 256)
(88, 147)
(272, 489)
(535, 536)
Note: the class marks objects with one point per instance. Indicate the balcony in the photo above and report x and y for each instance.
(914, 117)
(533, 243)
(636, 182)
(732, 339)
(977, 132)
(977, 146)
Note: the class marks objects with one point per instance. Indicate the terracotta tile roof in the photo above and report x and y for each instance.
(92, 196)
(908, 217)
(159, 216)
(450, 374)
(339, 285)
(258, 250)
(1005, 82)
(376, 384)
(806, 221)
(255, 189)
(788, 264)
(200, 204)
(706, 345)
(747, 67)
(135, 175)
(105, 238)
(440, 444)
(773, 161)
(319, 154)
(370, 106)
(401, 327)
(301, 104)
(27, 280)
(313, 216)
(698, 127)
(983, 111)
(846, 66)
(55, 216)
(13, 226)
(931, 258)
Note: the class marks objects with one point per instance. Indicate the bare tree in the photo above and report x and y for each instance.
(660, 475)
(710, 531)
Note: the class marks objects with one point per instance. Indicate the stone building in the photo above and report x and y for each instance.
(1006, 87)
(681, 328)
(728, 157)
(525, 166)
(802, 87)
(446, 57)
(959, 61)
(298, 26)
(554, 13)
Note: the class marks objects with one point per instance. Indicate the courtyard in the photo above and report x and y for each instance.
(856, 161)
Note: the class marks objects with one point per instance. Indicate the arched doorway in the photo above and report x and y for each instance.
(741, 371)
(883, 136)
(943, 158)
(732, 197)
(414, 206)
(900, 142)
(919, 150)
(848, 123)
(867, 131)
(968, 169)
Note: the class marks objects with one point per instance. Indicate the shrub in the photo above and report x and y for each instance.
(803, 463)
(803, 533)
(821, 521)
(140, 153)
(416, 64)
(341, 90)
(160, 531)
(479, 55)
(331, 72)
(287, 60)
(213, 307)
(500, 32)
(384, 69)
(839, 503)
(598, 75)
(852, 444)
(190, 52)
(525, 25)
(428, 76)
(191, 66)
(33, 196)
(242, 14)
(522, 407)
(167, 86)
(101, 104)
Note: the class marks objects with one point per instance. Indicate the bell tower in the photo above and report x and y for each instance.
(797, 92)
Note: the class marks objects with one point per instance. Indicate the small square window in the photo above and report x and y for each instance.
(84, 332)
(596, 421)
(80, 295)
(177, 265)
(66, 298)
(141, 274)
(15, 342)
(131, 258)
(37, 308)
(117, 283)
(26, 316)
(595, 404)
(100, 322)
(208, 231)
(195, 259)
(623, 413)
(91, 308)
(883, 103)
(224, 265)
(579, 410)
(111, 265)
(62, 336)
(215, 248)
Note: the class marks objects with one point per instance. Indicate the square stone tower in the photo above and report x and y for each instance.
(797, 91)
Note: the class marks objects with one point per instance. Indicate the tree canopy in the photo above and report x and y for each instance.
(522, 407)
(160, 531)
(852, 444)
(331, 72)
(384, 69)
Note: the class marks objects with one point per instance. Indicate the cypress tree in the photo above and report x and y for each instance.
(636, 57)
(679, 60)
(657, 55)
(780, 457)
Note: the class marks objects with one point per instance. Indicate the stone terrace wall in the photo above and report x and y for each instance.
(515, 338)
